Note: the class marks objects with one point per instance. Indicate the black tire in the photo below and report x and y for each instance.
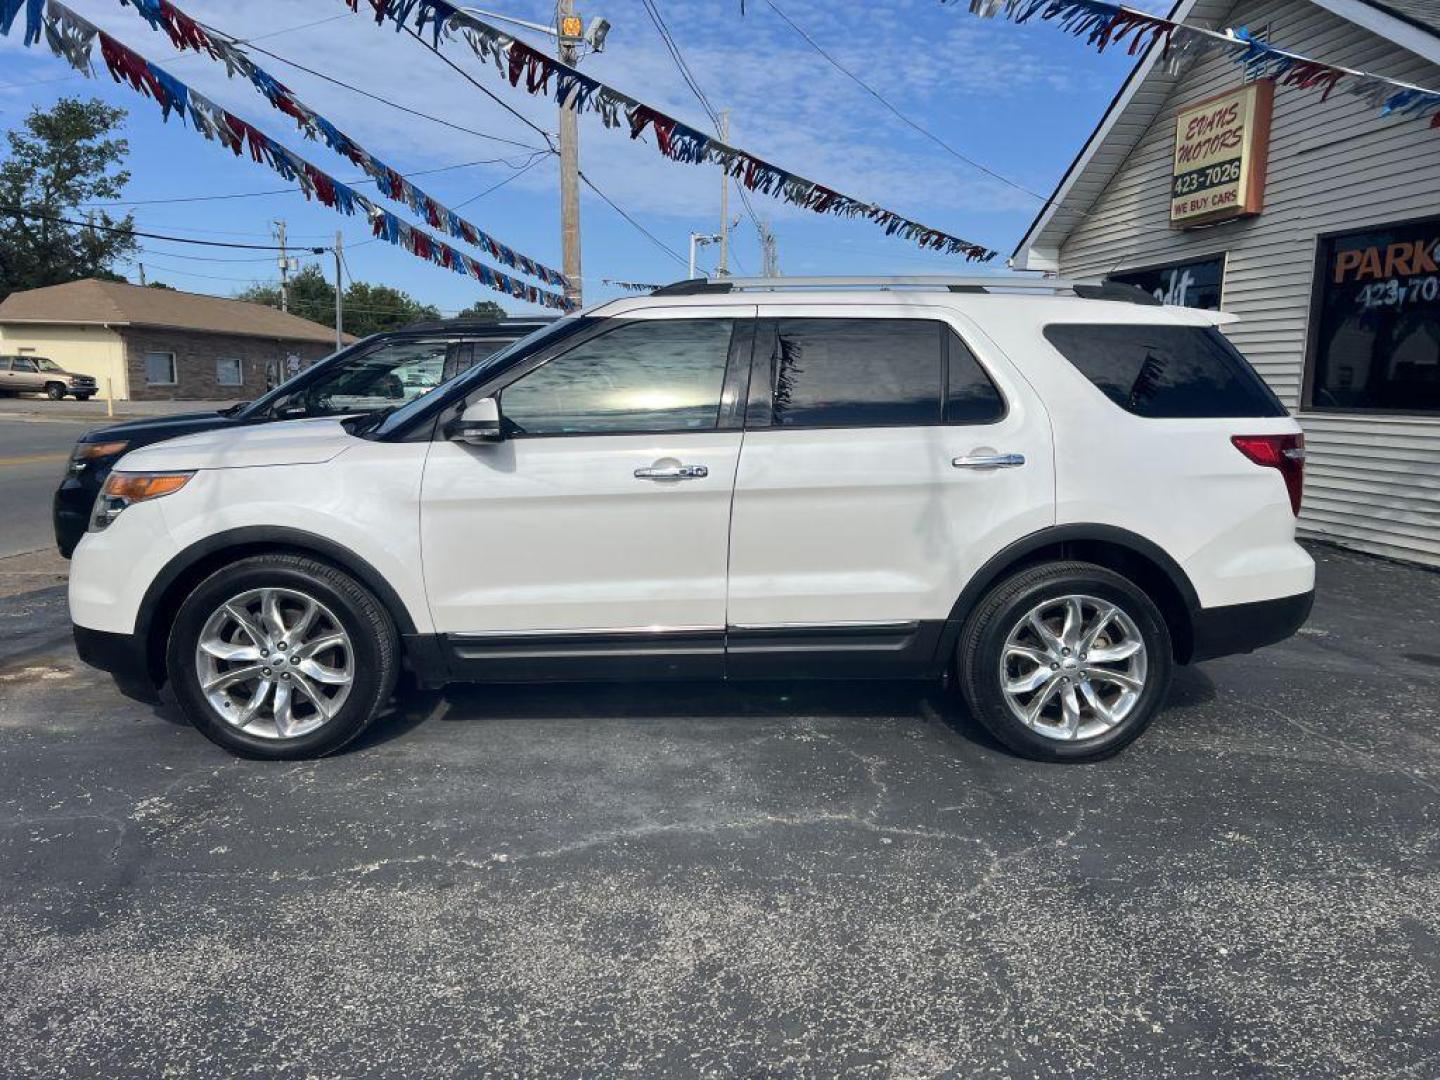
(83, 397)
(55, 391)
(982, 644)
(361, 616)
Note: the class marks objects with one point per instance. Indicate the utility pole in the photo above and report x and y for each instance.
(722, 269)
(567, 47)
(279, 234)
(769, 257)
(339, 292)
(142, 274)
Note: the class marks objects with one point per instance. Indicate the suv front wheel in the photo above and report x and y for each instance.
(282, 656)
(1065, 661)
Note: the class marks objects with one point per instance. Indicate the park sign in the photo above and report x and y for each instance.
(1221, 148)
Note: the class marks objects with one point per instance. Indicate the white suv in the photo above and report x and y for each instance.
(1054, 491)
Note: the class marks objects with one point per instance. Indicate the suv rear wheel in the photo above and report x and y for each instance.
(1065, 661)
(282, 656)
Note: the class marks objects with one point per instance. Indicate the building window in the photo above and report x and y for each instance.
(160, 369)
(1195, 283)
(228, 372)
(1375, 320)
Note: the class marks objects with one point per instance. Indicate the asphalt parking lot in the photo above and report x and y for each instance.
(754, 881)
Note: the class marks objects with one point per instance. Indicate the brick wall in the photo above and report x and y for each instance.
(195, 362)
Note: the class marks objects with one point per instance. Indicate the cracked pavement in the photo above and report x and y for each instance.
(767, 880)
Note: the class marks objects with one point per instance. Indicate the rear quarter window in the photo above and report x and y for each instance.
(1165, 372)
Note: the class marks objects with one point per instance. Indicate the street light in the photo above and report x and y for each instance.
(700, 240)
(567, 33)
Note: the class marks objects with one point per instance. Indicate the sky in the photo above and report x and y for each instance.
(1019, 100)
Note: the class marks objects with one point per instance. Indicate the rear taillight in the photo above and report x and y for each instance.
(1283, 452)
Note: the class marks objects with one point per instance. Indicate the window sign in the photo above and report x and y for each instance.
(1375, 326)
(1187, 284)
(1221, 148)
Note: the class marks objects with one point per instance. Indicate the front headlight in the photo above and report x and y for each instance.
(124, 489)
(87, 453)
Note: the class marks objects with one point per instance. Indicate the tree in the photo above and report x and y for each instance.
(484, 311)
(368, 308)
(60, 158)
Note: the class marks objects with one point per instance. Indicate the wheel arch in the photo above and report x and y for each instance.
(198, 561)
(1142, 561)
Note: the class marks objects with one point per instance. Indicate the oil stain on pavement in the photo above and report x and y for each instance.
(758, 881)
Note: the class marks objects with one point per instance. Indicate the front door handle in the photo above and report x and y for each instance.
(672, 472)
(989, 461)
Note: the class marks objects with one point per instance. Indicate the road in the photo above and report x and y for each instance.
(32, 461)
(767, 880)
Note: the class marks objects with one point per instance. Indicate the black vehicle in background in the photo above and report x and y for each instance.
(378, 372)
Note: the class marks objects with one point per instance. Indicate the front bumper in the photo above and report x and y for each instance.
(123, 656)
(1242, 628)
(71, 507)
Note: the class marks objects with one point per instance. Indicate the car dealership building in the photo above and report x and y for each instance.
(1315, 220)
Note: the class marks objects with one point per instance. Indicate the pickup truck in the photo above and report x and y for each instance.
(41, 375)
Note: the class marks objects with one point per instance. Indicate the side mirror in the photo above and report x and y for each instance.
(478, 424)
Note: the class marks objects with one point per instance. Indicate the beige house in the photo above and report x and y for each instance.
(1332, 267)
(148, 343)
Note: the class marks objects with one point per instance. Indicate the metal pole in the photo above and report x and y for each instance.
(569, 169)
(284, 267)
(691, 274)
(723, 268)
(142, 273)
(339, 293)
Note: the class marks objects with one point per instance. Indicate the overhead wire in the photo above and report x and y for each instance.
(883, 100)
(677, 55)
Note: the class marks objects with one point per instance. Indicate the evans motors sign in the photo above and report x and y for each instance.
(1221, 146)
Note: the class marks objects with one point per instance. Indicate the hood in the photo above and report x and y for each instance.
(154, 428)
(288, 442)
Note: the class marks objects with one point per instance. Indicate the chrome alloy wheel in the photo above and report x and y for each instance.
(1073, 667)
(274, 663)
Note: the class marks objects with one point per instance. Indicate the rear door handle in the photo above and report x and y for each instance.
(989, 461)
(672, 472)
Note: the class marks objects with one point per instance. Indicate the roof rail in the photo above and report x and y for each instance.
(993, 283)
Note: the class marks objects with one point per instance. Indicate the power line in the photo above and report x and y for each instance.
(396, 105)
(486, 91)
(295, 190)
(900, 115)
(18, 211)
(513, 176)
(683, 66)
(648, 234)
(185, 56)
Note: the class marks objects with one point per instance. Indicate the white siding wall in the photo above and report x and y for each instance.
(1372, 483)
(85, 350)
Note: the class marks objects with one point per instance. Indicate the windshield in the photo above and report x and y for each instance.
(45, 364)
(382, 378)
(527, 344)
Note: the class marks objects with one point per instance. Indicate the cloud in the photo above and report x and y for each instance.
(787, 103)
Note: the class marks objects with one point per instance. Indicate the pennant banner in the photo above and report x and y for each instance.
(185, 33)
(73, 38)
(1104, 24)
(546, 76)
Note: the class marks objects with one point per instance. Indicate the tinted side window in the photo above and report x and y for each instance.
(1165, 372)
(856, 372)
(970, 396)
(655, 375)
(25, 365)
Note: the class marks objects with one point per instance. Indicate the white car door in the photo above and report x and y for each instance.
(593, 539)
(885, 460)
